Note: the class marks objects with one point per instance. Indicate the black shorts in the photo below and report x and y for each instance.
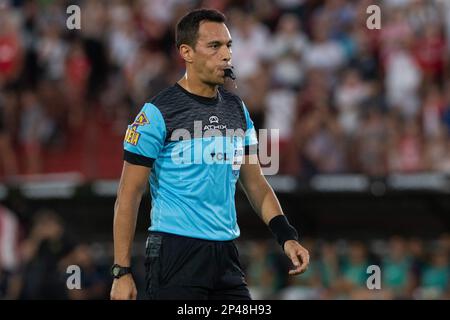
(182, 268)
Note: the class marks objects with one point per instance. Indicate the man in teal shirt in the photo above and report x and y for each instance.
(192, 143)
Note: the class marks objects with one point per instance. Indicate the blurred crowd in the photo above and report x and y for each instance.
(409, 268)
(344, 98)
(35, 256)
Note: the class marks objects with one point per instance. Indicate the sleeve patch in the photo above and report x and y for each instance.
(132, 136)
(141, 119)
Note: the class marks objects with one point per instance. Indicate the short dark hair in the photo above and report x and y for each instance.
(187, 27)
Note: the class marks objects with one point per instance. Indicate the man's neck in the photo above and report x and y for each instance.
(198, 88)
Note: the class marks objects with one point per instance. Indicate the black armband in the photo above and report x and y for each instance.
(137, 159)
(282, 230)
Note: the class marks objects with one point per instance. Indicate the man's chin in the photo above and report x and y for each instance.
(221, 81)
(218, 82)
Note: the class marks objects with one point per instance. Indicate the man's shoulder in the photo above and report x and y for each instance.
(165, 97)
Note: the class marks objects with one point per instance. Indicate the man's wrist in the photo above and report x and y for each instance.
(124, 277)
(118, 271)
(282, 230)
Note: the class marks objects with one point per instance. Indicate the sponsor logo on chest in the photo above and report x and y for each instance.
(214, 124)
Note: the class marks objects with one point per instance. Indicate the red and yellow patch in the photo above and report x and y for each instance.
(141, 119)
(132, 136)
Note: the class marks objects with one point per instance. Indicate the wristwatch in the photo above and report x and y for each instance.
(117, 271)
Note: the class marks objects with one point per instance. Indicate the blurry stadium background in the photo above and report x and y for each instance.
(364, 120)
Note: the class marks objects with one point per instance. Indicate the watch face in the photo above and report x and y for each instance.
(116, 271)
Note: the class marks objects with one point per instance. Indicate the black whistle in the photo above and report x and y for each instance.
(229, 73)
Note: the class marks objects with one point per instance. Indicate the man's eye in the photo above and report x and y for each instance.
(215, 46)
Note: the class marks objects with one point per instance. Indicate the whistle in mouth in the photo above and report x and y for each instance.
(229, 73)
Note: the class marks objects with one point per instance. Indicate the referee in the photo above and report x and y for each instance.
(179, 144)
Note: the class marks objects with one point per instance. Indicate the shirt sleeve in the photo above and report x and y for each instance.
(250, 140)
(145, 137)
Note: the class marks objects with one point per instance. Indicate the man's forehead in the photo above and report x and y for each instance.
(213, 31)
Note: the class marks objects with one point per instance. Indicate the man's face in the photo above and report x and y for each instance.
(212, 52)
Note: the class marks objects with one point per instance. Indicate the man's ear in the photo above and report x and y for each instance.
(186, 53)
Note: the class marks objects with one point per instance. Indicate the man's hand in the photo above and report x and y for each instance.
(124, 288)
(294, 250)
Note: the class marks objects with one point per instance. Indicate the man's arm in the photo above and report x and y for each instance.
(266, 204)
(131, 187)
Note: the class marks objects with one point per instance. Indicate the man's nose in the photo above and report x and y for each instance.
(226, 54)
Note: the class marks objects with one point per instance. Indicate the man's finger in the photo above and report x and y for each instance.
(302, 266)
(305, 260)
(295, 260)
(296, 263)
(294, 272)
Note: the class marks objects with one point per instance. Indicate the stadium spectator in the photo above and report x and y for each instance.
(7, 155)
(43, 273)
(9, 258)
